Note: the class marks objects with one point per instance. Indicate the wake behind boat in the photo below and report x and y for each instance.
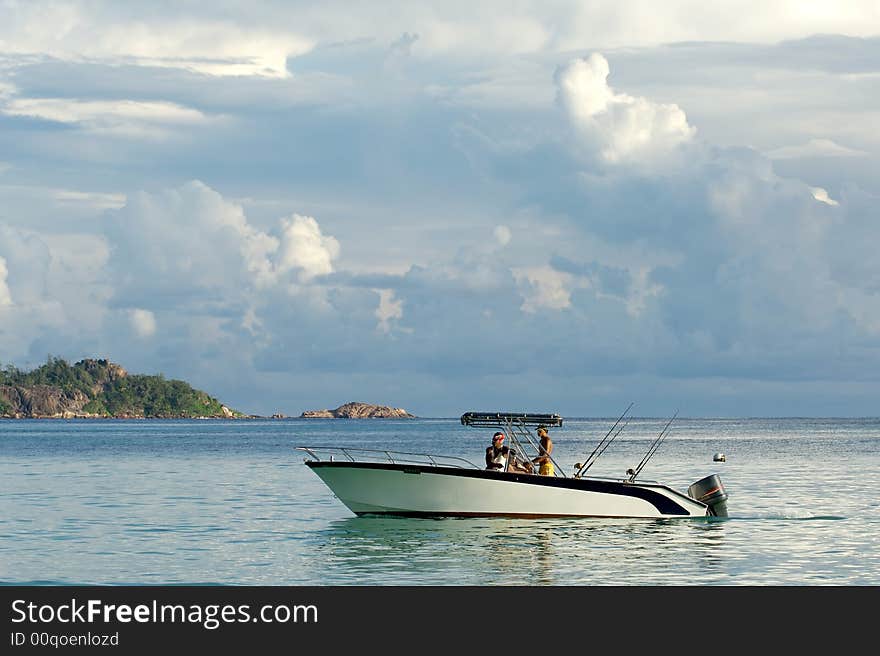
(379, 482)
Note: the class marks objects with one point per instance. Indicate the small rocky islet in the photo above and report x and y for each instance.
(358, 410)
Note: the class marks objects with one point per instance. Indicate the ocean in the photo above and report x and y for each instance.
(133, 502)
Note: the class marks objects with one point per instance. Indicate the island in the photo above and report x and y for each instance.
(358, 410)
(98, 388)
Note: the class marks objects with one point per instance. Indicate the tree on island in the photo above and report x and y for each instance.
(100, 388)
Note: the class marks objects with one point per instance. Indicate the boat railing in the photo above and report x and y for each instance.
(357, 454)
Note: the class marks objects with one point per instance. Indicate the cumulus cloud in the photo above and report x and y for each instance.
(641, 292)
(190, 252)
(27, 264)
(848, 252)
(188, 260)
(51, 298)
(192, 241)
(502, 234)
(143, 322)
(5, 294)
(822, 196)
(625, 129)
(188, 241)
(305, 249)
(389, 309)
(742, 257)
(544, 288)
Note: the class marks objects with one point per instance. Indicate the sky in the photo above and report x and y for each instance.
(448, 206)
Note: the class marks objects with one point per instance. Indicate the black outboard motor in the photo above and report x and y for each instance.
(710, 491)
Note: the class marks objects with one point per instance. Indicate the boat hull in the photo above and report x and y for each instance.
(432, 491)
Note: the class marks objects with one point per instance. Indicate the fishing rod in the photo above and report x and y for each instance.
(587, 464)
(591, 459)
(590, 463)
(653, 448)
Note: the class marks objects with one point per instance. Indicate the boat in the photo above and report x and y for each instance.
(381, 482)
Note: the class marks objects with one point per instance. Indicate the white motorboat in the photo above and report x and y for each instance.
(376, 482)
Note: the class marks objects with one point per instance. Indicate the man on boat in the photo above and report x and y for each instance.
(545, 464)
(496, 455)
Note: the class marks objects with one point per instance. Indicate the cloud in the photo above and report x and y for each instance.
(625, 129)
(211, 45)
(621, 25)
(740, 257)
(815, 148)
(502, 235)
(229, 31)
(27, 264)
(399, 217)
(188, 242)
(389, 309)
(5, 294)
(118, 117)
(188, 256)
(305, 249)
(483, 31)
(848, 253)
(630, 286)
(51, 298)
(143, 322)
(544, 288)
(66, 198)
(822, 196)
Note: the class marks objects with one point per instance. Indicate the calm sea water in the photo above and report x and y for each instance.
(230, 502)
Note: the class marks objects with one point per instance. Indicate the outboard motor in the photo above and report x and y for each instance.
(710, 491)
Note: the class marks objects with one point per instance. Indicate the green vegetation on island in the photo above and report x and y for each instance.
(100, 388)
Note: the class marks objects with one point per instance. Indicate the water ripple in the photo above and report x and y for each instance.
(134, 503)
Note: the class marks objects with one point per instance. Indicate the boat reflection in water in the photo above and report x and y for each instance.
(507, 551)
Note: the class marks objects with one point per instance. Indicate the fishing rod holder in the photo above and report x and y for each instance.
(504, 418)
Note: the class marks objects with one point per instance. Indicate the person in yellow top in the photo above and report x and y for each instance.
(545, 464)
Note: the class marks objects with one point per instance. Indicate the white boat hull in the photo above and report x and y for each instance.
(426, 490)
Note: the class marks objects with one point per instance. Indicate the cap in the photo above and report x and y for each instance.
(497, 435)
